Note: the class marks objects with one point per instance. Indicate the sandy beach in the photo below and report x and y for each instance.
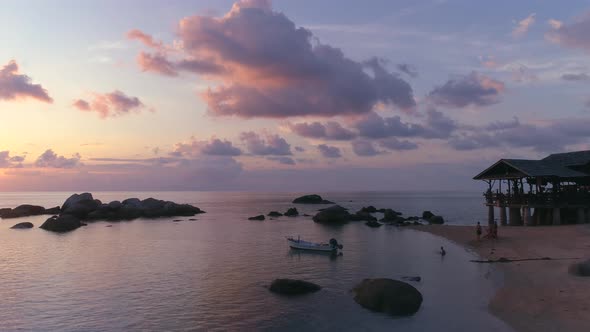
(536, 295)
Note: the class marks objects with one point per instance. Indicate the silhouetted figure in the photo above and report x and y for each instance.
(442, 251)
(478, 231)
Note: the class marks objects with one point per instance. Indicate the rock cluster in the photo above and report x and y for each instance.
(27, 210)
(311, 199)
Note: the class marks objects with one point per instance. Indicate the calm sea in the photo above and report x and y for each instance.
(210, 274)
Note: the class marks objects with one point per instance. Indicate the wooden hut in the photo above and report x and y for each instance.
(550, 191)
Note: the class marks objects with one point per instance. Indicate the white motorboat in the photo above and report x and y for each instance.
(297, 243)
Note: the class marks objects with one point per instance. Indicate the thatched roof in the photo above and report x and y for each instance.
(559, 165)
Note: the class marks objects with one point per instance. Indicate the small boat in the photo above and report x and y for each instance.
(297, 243)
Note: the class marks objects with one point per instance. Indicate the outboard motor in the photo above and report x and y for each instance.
(334, 243)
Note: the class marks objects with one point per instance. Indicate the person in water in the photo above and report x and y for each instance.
(478, 231)
(442, 251)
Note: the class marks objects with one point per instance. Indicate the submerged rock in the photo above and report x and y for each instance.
(274, 214)
(333, 215)
(23, 225)
(259, 217)
(311, 199)
(581, 269)
(60, 224)
(373, 224)
(389, 296)
(293, 287)
(292, 212)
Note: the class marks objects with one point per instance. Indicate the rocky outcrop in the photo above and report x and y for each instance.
(439, 220)
(427, 215)
(85, 207)
(581, 269)
(26, 210)
(333, 215)
(311, 199)
(274, 214)
(373, 224)
(369, 209)
(362, 215)
(293, 287)
(61, 224)
(259, 217)
(23, 225)
(292, 212)
(390, 296)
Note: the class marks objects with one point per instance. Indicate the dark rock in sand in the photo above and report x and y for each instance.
(311, 199)
(436, 220)
(333, 215)
(259, 217)
(192, 219)
(23, 225)
(413, 218)
(274, 214)
(293, 287)
(389, 296)
(292, 212)
(581, 269)
(177, 220)
(426, 215)
(373, 224)
(63, 223)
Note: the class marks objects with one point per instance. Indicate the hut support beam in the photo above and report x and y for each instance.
(528, 218)
(503, 220)
(490, 215)
(581, 216)
(515, 218)
(556, 216)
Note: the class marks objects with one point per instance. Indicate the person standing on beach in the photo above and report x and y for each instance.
(478, 231)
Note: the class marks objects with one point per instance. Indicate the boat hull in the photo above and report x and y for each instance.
(303, 245)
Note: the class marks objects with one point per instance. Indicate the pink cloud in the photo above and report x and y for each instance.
(146, 39)
(572, 35)
(111, 104)
(6, 161)
(269, 145)
(50, 159)
(522, 27)
(212, 147)
(15, 86)
(269, 67)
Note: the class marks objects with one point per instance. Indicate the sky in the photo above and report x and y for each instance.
(286, 95)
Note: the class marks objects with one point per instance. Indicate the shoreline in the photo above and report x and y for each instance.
(538, 295)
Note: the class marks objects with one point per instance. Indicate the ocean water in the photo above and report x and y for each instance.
(210, 274)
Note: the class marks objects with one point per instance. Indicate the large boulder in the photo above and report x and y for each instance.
(368, 209)
(274, 214)
(80, 205)
(292, 212)
(390, 215)
(293, 287)
(259, 217)
(427, 215)
(436, 220)
(390, 296)
(333, 215)
(581, 269)
(60, 224)
(23, 225)
(362, 215)
(311, 199)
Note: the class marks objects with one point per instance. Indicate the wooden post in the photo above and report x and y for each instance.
(503, 220)
(515, 218)
(528, 218)
(556, 216)
(490, 215)
(581, 216)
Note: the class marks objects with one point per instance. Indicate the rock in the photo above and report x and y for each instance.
(581, 269)
(373, 224)
(426, 215)
(333, 215)
(416, 279)
(115, 205)
(362, 215)
(177, 220)
(390, 215)
(311, 199)
(292, 212)
(389, 296)
(436, 220)
(293, 287)
(274, 214)
(80, 205)
(63, 223)
(369, 209)
(260, 217)
(413, 218)
(23, 225)
(192, 219)
(24, 210)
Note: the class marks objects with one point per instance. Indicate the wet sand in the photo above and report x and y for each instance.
(536, 295)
